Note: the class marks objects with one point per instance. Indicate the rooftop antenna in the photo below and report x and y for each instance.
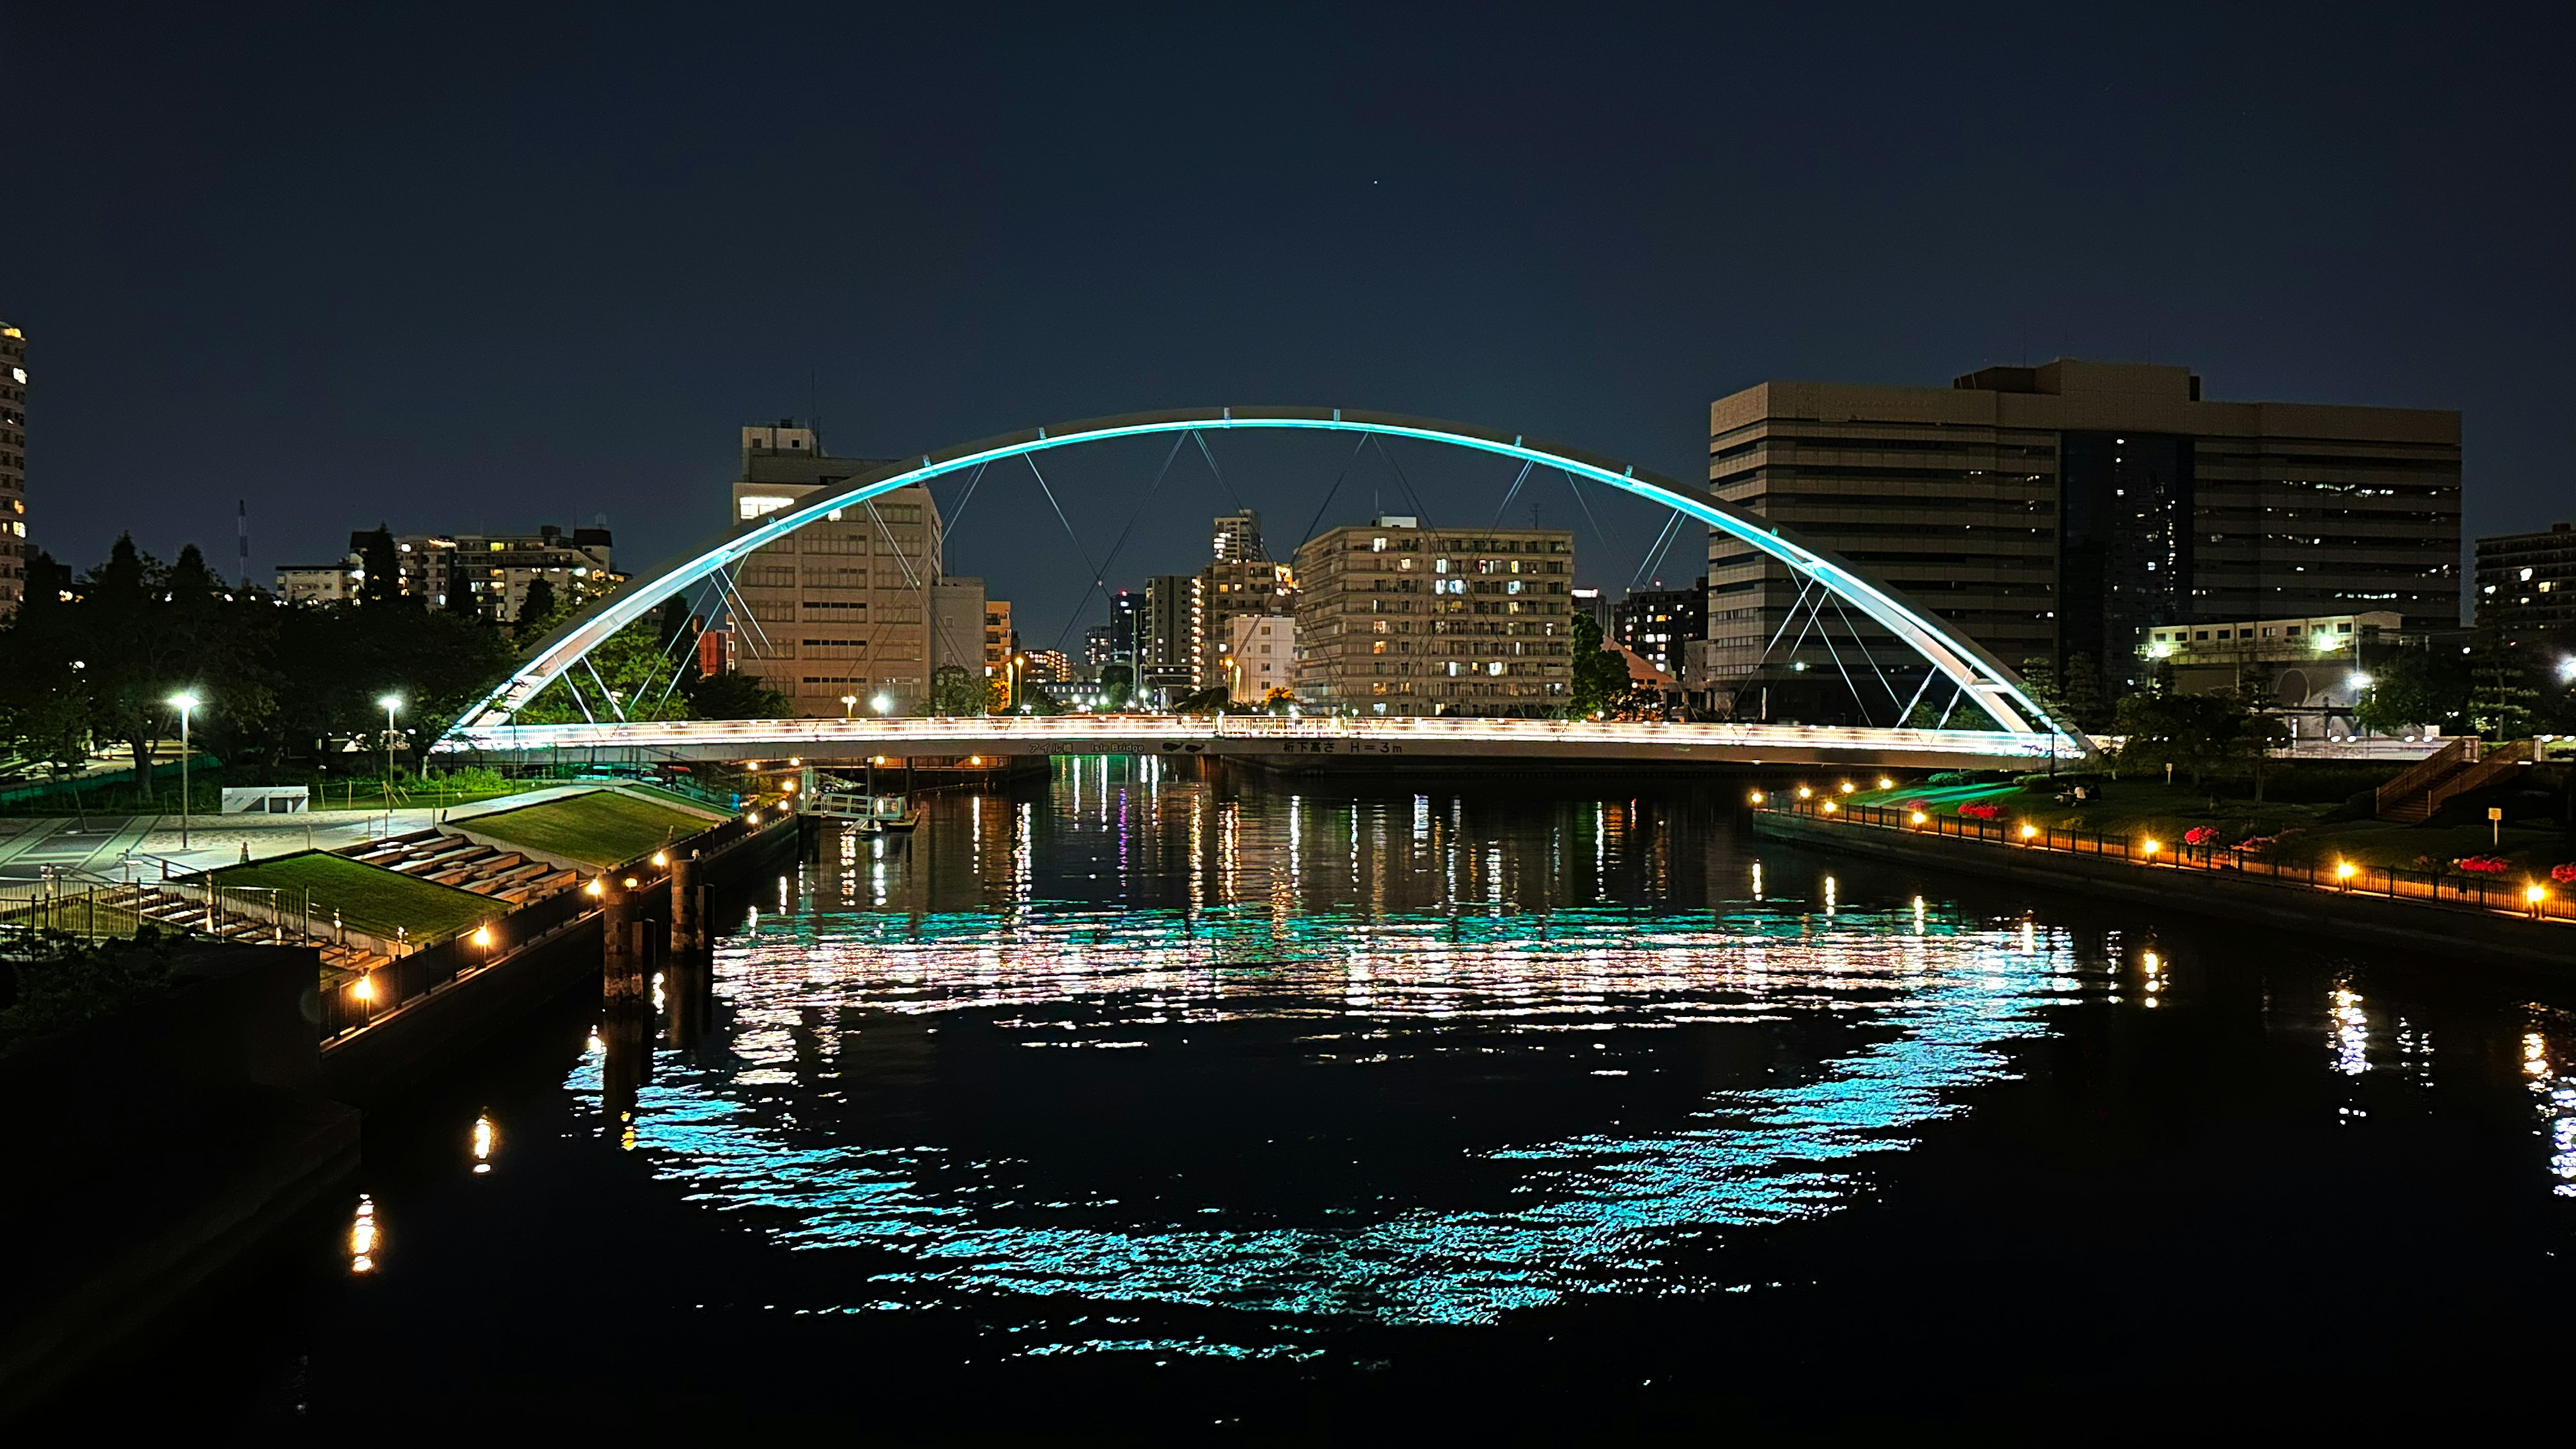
(241, 533)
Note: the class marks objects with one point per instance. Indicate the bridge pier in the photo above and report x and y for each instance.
(626, 1010)
(688, 975)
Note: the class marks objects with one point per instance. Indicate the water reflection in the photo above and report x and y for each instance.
(1153, 1039)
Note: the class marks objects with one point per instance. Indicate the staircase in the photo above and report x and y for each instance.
(453, 860)
(2459, 767)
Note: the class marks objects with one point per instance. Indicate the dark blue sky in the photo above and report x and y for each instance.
(453, 268)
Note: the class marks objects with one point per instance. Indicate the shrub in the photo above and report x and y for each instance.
(2200, 835)
(2564, 873)
(2483, 864)
(1981, 810)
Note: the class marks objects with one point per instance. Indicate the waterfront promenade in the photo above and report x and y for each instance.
(98, 845)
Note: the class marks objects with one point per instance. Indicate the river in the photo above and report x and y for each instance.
(1142, 1101)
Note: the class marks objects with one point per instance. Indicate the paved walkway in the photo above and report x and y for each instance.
(99, 844)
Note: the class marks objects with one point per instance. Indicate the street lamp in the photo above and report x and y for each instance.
(849, 702)
(391, 702)
(184, 703)
(883, 704)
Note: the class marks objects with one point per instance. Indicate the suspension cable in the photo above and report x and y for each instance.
(1513, 492)
(1329, 492)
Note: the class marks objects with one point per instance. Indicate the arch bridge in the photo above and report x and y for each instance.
(2017, 726)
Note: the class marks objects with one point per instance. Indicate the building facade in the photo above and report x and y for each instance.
(2310, 670)
(13, 468)
(1658, 624)
(2061, 513)
(841, 606)
(1261, 655)
(1236, 538)
(495, 570)
(2526, 586)
(1394, 618)
(1169, 639)
(1228, 591)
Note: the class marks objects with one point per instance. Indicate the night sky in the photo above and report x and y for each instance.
(461, 269)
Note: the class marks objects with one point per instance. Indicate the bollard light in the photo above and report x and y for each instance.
(2346, 870)
(630, 882)
(1804, 792)
(1847, 787)
(365, 989)
(1755, 797)
(2535, 895)
(596, 886)
(2151, 846)
(1885, 783)
(483, 936)
(1829, 807)
(2028, 830)
(1918, 817)
(661, 857)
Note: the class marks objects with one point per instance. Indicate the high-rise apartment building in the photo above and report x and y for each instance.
(13, 468)
(841, 606)
(1001, 641)
(1237, 538)
(2060, 513)
(2527, 585)
(1169, 638)
(1657, 624)
(1394, 618)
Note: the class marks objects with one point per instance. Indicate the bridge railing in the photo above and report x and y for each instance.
(2503, 893)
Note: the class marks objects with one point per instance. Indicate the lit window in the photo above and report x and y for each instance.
(756, 505)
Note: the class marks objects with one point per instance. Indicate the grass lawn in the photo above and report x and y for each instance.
(368, 897)
(600, 827)
(2150, 808)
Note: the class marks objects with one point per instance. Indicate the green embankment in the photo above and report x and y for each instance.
(368, 898)
(599, 827)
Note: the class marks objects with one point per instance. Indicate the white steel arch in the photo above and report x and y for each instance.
(1981, 677)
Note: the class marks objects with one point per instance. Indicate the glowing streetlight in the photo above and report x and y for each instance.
(1918, 817)
(391, 702)
(849, 702)
(2028, 830)
(2150, 846)
(883, 704)
(1755, 797)
(185, 703)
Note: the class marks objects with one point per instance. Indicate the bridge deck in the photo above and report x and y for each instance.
(825, 740)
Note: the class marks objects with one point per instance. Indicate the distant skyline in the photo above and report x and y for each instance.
(351, 267)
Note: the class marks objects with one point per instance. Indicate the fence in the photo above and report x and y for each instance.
(369, 998)
(2532, 899)
(84, 911)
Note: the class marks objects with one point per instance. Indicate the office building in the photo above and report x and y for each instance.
(957, 607)
(1099, 648)
(1261, 655)
(1127, 631)
(1045, 667)
(2061, 513)
(319, 583)
(2310, 671)
(1594, 605)
(2526, 587)
(13, 468)
(1657, 624)
(1231, 591)
(1394, 618)
(841, 606)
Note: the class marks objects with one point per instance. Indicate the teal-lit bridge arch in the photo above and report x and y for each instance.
(1979, 678)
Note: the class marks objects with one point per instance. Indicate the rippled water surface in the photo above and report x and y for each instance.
(1362, 1088)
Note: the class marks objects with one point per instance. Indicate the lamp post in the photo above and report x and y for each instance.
(184, 703)
(849, 702)
(391, 702)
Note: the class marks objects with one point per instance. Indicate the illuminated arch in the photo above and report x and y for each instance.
(1981, 677)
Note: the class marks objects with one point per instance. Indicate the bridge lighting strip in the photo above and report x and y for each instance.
(1992, 687)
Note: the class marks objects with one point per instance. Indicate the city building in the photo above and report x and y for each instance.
(1231, 591)
(2060, 513)
(841, 606)
(494, 569)
(1394, 618)
(1001, 641)
(1595, 604)
(2311, 670)
(1237, 538)
(320, 583)
(1261, 655)
(1099, 647)
(2526, 586)
(1127, 631)
(1169, 639)
(13, 468)
(1658, 623)
(957, 607)
(1045, 667)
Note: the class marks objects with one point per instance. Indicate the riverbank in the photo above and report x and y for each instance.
(2327, 905)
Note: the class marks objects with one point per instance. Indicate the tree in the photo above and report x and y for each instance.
(2195, 733)
(536, 612)
(1278, 699)
(734, 695)
(1211, 700)
(1117, 686)
(955, 692)
(1600, 674)
(380, 566)
(640, 677)
(458, 593)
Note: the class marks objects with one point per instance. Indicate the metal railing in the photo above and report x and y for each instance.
(2531, 899)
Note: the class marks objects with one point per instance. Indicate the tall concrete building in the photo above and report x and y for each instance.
(1659, 624)
(1261, 656)
(1240, 582)
(1237, 538)
(495, 570)
(1169, 638)
(1394, 618)
(2527, 585)
(2059, 513)
(13, 468)
(843, 605)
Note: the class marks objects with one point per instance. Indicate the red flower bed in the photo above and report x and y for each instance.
(2483, 864)
(2200, 835)
(1980, 810)
(2564, 873)
(2257, 844)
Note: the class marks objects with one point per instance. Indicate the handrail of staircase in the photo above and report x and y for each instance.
(2423, 773)
(2496, 762)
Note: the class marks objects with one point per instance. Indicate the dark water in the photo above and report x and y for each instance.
(1143, 1102)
